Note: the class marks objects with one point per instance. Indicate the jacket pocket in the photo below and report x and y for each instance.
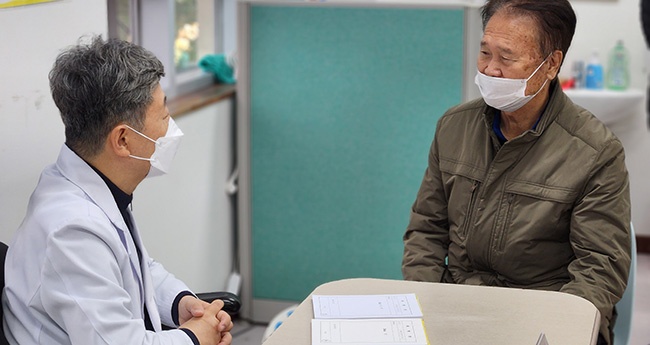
(462, 182)
(542, 192)
(535, 213)
(502, 236)
(467, 222)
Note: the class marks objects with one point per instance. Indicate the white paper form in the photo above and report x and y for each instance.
(366, 306)
(368, 332)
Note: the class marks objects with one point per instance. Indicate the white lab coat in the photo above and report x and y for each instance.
(70, 270)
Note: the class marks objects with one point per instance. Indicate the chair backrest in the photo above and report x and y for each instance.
(3, 253)
(623, 326)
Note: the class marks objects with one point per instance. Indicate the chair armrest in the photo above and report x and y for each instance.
(231, 302)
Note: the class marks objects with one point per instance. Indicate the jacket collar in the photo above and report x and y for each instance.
(556, 102)
(77, 171)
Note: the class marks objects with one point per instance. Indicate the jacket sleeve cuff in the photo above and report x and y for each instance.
(175, 306)
(190, 334)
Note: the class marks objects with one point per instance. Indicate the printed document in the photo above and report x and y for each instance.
(368, 332)
(366, 306)
(367, 320)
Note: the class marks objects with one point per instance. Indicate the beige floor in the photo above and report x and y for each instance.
(246, 334)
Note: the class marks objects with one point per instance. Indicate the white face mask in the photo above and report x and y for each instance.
(503, 93)
(166, 147)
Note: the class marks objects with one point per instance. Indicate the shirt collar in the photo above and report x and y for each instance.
(496, 124)
(121, 198)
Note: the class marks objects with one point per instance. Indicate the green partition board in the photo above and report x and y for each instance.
(344, 103)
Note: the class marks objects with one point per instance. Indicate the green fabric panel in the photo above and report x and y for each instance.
(344, 103)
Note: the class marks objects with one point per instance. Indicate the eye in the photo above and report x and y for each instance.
(507, 59)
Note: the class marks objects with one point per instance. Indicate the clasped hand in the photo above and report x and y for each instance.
(209, 323)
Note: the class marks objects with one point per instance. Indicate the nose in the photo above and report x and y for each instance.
(490, 68)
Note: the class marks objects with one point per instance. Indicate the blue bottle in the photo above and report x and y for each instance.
(594, 73)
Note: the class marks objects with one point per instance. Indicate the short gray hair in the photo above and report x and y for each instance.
(100, 84)
(556, 20)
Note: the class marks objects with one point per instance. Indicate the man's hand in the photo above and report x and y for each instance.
(189, 307)
(208, 322)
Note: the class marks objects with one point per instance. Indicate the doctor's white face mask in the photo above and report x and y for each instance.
(506, 94)
(163, 154)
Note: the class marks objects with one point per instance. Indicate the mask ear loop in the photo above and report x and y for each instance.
(545, 79)
(538, 67)
(131, 128)
(146, 137)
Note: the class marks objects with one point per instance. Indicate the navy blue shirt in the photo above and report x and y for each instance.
(496, 127)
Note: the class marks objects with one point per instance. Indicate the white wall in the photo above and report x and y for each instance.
(230, 26)
(31, 132)
(185, 218)
(600, 24)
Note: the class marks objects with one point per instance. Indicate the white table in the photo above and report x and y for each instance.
(467, 315)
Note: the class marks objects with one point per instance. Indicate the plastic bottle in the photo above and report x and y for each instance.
(594, 73)
(618, 73)
(578, 74)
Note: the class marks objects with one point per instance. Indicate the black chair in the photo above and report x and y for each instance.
(231, 302)
(3, 253)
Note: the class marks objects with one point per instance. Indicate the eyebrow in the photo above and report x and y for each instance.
(501, 49)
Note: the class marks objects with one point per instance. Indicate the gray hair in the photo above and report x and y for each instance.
(100, 84)
(556, 20)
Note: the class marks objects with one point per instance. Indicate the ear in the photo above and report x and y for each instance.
(118, 141)
(554, 63)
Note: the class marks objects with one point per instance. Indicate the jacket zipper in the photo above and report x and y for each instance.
(504, 228)
(470, 213)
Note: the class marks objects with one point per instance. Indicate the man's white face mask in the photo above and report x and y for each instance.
(506, 94)
(166, 147)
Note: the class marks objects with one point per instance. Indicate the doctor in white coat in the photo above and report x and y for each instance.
(77, 271)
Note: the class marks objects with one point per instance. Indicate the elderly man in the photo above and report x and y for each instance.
(76, 271)
(523, 188)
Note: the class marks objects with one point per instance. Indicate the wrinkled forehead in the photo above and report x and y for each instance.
(512, 32)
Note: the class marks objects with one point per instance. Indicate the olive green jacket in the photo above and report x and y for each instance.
(549, 209)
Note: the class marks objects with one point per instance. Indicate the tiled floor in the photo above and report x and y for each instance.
(246, 334)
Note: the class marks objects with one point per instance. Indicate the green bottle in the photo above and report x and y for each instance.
(618, 73)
